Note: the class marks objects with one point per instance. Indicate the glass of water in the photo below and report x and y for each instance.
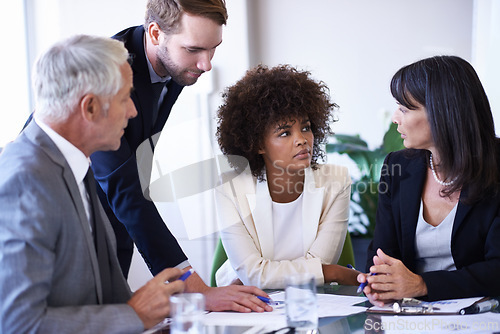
(187, 311)
(300, 301)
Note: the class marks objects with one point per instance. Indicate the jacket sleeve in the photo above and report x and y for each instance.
(243, 249)
(117, 173)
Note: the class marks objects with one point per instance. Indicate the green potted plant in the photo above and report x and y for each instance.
(364, 191)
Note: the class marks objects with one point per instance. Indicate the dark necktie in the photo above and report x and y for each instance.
(157, 89)
(100, 241)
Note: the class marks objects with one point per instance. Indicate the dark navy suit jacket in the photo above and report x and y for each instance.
(475, 241)
(118, 176)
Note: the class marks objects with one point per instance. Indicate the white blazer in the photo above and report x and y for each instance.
(244, 210)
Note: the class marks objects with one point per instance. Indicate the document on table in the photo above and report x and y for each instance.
(332, 305)
(328, 306)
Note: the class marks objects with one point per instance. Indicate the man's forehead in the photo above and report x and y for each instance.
(198, 32)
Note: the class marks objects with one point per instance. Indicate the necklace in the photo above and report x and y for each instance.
(435, 175)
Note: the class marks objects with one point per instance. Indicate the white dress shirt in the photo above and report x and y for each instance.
(287, 225)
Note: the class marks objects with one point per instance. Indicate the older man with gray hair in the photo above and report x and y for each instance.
(60, 273)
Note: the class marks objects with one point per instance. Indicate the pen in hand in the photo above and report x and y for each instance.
(186, 274)
(362, 285)
(269, 301)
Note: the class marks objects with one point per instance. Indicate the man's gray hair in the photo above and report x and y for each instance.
(73, 68)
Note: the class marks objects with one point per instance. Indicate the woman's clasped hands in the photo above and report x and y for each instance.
(391, 281)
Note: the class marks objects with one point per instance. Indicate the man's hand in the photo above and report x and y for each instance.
(393, 281)
(152, 301)
(238, 298)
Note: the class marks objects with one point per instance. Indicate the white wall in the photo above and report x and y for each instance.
(34, 25)
(486, 51)
(356, 46)
(14, 90)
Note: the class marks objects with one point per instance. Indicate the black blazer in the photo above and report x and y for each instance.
(117, 171)
(475, 241)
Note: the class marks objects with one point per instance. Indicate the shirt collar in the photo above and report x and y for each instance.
(152, 74)
(77, 161)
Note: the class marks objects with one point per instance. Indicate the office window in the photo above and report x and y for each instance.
(14, 84)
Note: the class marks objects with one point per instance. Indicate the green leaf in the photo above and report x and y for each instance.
(350, 139)
(392, 140)
(369, 163)
(362, 160)
(346, 148)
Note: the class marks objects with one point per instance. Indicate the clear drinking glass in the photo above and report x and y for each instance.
(187, 311)
(300, 301)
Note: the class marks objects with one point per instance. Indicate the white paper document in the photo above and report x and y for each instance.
(331, 305)
(328, 306)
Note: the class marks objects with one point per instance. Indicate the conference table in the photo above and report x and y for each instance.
(363, 322)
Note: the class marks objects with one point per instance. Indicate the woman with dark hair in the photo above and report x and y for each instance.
(437, 233)
(284, 213)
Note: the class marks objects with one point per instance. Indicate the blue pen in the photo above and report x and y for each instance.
(362, 285)
(350, 266)
(269, 301)
(186, 274)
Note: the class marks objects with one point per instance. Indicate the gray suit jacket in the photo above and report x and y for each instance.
(49, 276)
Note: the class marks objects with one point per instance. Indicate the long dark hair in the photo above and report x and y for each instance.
(460, 120)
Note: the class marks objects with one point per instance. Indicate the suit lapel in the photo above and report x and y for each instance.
(41, 139)
(462, 211)
(311, 209)
(262, 214)
(412, 181)
(173, 91)
(144, 88)
(142, 81)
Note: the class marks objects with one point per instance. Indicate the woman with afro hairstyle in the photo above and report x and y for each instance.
(280, 212)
